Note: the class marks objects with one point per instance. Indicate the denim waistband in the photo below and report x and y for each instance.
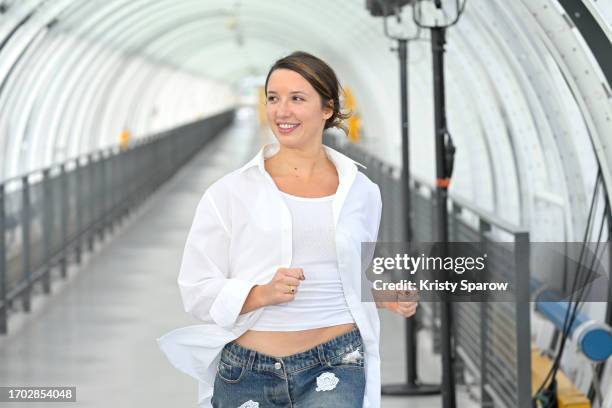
(253, 360)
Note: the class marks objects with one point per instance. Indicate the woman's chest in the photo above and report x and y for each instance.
(266, 220)
(316, 186)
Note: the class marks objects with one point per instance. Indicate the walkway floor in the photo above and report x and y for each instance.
(97, 331)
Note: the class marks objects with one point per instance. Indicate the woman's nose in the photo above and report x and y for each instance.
(283, 109)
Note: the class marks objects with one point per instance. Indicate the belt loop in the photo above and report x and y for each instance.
(251, 360)
(321, 354)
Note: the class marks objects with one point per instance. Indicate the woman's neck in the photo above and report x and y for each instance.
(299, 162)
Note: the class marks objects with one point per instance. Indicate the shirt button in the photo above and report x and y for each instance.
(277, 365)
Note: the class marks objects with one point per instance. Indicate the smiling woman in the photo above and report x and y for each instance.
(272, 264)
(306, 315)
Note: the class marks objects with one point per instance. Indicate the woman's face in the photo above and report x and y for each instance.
(294, 109)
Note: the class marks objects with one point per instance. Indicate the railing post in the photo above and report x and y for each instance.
(523, 333)
(64, 219)
(47, 222)
(3, 305)
(485, 399)
(78, 207)
(25, 240)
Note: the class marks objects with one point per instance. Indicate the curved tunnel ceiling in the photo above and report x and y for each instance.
(528, 104)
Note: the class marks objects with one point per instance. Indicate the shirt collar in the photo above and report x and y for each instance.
(342, 162)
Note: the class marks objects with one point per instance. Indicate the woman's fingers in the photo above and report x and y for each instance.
(297, 273)
(405, 309)
(287, 280)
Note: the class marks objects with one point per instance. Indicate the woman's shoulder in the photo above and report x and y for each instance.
(367, 190)
(364, 182)
(227, 185)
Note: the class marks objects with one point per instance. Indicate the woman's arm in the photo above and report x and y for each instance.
(207, 291)
(254, 300)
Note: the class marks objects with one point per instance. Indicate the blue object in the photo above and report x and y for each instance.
(593, 338)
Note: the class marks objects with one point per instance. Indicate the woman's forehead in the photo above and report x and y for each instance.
(285, 80)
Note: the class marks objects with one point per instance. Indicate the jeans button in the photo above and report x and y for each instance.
(277, 365)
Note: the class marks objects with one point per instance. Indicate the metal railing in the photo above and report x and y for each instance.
(492, 339)
(49, 216)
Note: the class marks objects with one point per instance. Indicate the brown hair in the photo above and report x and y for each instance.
(322, 78)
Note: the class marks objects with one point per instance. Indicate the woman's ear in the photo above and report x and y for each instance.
(328, 110)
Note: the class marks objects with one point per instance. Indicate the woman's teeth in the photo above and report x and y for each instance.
(287, 128)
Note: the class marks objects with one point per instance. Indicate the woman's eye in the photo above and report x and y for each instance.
(271, 98)
(298, 98)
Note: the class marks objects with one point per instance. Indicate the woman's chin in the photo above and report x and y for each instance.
(289, 140)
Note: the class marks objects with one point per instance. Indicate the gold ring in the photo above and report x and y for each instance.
(292, 288)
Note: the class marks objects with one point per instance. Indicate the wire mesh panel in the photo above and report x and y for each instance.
(48, 213)
(36, 215)
(13, 237)
(55, 204)
(72, 200)
(422, 225)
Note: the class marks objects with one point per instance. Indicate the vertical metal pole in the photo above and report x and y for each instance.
(410, 326)
(412, 386)
(448, 370)
(523, 324)
(65, 211)
(25, 239)
(80, 203)
(47, 222)
(485, 399)
(3, 305)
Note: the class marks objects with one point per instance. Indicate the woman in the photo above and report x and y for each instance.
(272, 264)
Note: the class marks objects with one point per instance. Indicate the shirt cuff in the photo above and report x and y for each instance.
(228, 303)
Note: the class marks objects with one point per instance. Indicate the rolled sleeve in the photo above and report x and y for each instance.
(227, 305)
(208, 292)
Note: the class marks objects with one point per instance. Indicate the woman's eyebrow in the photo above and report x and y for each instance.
(292, 92)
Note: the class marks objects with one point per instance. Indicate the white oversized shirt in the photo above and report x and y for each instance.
(240, 236)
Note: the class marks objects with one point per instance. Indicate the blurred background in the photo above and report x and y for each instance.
(116, 115)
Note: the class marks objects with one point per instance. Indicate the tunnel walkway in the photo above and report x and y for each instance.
(97, 331)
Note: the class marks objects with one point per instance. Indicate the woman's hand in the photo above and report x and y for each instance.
(405, 305)
(282, 288)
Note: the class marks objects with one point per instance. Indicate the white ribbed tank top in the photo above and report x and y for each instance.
(319, 301)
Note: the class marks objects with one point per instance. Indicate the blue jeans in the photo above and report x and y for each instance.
(329, 375)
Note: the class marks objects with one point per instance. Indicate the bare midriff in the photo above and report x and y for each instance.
(285, 343)
(322, 182)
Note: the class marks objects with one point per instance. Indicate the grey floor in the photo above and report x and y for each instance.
(97, 331)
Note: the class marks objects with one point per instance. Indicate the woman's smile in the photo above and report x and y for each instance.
(286, 128)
